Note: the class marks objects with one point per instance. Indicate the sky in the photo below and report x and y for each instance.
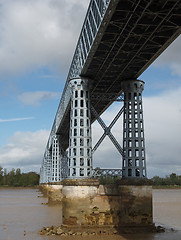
(37, 43)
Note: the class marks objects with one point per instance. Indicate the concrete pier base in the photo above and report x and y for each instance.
(85, 203)
(44, 189)
(53, 191)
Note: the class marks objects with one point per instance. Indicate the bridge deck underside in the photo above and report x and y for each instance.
(138, 32)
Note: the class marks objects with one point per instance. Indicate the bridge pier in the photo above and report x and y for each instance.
(56, 154)
(80, 141)
(134, 163)
(55, 166)
(88, 205)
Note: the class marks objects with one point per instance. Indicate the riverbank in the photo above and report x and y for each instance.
(37, 187)
(166, 187)
(10, 187)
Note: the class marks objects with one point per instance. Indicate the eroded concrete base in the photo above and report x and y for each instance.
(88, 204)
(53, 192)
(44, 189)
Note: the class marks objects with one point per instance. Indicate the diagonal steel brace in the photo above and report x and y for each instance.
(107, 130)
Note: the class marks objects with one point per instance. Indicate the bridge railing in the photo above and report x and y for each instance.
(95, 14)
(65, 99)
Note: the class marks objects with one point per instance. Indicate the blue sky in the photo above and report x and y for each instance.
(37, 42)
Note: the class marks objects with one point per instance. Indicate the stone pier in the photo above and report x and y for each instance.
(87, 204)
(53, 191)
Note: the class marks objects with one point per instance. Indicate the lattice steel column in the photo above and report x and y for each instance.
(42, 174)
(80, 145)
(134, 164)
(64, 166)
(45, 174)
(48, 166)
(56, 160)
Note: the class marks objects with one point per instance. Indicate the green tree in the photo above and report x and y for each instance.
(17, 177)
(11, 178)
(1, 175)
(5, 177)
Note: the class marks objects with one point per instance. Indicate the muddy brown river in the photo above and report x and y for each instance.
(22, 215)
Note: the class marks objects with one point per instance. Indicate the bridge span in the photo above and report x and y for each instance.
(118, 42)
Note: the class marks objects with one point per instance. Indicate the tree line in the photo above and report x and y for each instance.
(172, 179)
(15, 178)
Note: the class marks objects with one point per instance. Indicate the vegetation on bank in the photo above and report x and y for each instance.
(167, 182)
(170, 181)
(15, 178)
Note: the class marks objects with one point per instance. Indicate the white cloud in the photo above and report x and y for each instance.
(39, 33)
(171, 57)
(34, 98)
(24, 150)
(162, 115)
(176, 68)
(163, 130)
(15, 119)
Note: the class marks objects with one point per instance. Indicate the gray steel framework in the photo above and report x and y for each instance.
(80, 141)
(45, 171)
(134, 163)
(118, 41)
(55, 163)
(106, 173)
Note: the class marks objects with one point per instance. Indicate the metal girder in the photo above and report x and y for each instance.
(107, 96)
(128, 35)
(107, 130)
(98, 172)
(93, 20)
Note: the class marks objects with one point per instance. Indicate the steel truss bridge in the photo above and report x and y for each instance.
(118, 42)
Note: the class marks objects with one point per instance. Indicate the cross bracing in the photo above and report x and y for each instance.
(118, 41)
(97, 173)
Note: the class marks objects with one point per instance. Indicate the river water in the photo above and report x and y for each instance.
(22, 215)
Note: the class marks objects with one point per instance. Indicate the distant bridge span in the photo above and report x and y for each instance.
(118, 42)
